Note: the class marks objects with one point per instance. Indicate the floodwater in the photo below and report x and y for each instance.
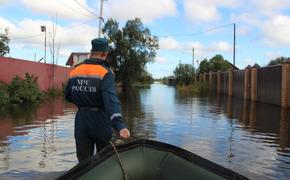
(250, 138)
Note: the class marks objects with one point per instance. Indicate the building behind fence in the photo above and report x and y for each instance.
(267, 84)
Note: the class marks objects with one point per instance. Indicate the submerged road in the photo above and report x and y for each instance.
(250, 138)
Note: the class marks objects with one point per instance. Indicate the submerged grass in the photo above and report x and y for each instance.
(196, 88)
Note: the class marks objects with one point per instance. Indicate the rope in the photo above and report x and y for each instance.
(122, 167)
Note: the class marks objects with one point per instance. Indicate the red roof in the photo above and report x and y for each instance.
(69, 62)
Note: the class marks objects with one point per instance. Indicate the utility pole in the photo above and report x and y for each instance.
(234, 46)
(101, 18)
(193, 58)
(43, 29)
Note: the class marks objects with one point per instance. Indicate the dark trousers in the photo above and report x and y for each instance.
(85, 148)
(92, 129)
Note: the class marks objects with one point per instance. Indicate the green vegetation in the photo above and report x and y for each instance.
(184, 74)
(216, 63)
(20, 92)
(4, 43)
(4, 100)
(278, 60)
(133, 47)
(194, 88)
(146, 78)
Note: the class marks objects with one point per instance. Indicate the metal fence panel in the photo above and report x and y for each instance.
(269, 81)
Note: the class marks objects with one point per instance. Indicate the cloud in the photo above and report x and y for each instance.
(73, 35)
(206, 10)
(201, 11)
(272, 55)
(3, 2)
(270, 7)
(277, 31)
(161, 60)
(222, 46)
(169, 43)
(244, 63)
(68, 9)
(147, 10)
(4, 23)
(193, 44)
(68, 38)
(249, 18)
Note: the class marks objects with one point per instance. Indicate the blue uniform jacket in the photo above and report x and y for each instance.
(91, 86)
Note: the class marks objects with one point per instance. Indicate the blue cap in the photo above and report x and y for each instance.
(100, 44)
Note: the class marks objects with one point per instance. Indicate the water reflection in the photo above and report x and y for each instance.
(30, 139)
(134, 107)
(284, 139)
(264, 139)
(250, 138)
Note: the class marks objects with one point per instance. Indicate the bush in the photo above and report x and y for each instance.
(195, 88)
(24, 91)
(184, 74)
(4, 100)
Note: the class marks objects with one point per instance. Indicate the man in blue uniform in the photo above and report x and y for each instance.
(91, 88)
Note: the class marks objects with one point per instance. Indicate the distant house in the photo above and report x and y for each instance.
(76, 58)
(171, 80)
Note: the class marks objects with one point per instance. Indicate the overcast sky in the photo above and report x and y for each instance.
(263, 28)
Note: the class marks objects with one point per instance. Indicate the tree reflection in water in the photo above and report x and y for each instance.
(138, 121)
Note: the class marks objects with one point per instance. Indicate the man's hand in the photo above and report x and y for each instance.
(124, 133)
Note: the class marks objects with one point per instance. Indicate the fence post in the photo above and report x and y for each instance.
(218, 83)
(230, 83)
(285, 86)
(284, 128)
(210, 80)
(247, 83)
(254, 83)
(245, 115)
(253, 115)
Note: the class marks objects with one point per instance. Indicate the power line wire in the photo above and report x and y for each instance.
(74, 10)
(87, 9)
(76, 25)
(63, 29)
(198, 33)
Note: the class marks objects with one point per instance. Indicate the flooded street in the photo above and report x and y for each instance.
(249, 138)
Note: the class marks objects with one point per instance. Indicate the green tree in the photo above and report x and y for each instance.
(4, 100)
(146, 78)
(184, 74)
(215, 64)
(133, 47)
(4, 43)
(24, 91)
(204, 66)
(256, 65)
(278, 60)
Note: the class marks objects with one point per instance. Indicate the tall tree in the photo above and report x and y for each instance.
(4, 43)
(133, 47)
(204, 66)
(184, 74)
(215, 64)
